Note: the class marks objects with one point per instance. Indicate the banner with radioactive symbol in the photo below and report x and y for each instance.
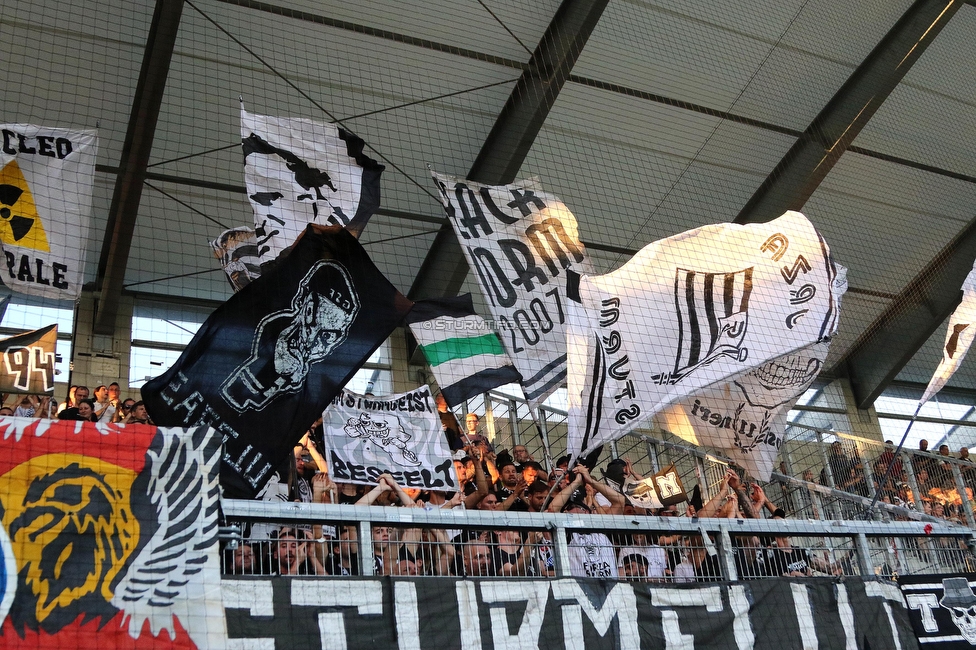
(46, 179)
(108, 536)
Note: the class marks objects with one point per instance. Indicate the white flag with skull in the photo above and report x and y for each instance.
(745, 418)
(690, 313)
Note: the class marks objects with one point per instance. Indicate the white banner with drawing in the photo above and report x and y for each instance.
(367, 436)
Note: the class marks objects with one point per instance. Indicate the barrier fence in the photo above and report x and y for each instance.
(328, 539)
(823, 474)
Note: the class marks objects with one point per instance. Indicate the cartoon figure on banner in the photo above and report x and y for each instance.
(713, 316)
(84, 539)
(960, 600)
(287, 343)
(388, 434)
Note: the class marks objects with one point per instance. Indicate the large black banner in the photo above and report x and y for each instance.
(268, 361)
(942, 609)
(564, 613)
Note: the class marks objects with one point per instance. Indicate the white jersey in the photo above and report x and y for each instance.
(657, 559)
(591, 555)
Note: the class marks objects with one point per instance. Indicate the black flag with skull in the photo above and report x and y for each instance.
(267, 362)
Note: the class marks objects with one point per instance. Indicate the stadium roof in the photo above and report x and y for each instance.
(647, 117)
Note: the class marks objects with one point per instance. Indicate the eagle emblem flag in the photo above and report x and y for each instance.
(109, 535)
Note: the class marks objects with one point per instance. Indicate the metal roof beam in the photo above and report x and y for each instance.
(135, 157)
(444, 269)
(814, 154)
(897, 334)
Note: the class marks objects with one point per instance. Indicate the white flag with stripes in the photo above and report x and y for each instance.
(520, 241)
(689, 312)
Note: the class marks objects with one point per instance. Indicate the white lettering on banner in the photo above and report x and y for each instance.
(620, 603)
(467, 601)
(256, 596)
(710, 598)
(619, 613)
(407, 618)
(366, 596)
(925, 604)
(890, 593)
(673, 638)
(846, 613)
(804, 617)
(535, 595)
(667, 485)
(745, 638)
(22, 362)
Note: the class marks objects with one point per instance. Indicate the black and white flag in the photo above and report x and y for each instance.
(297, 172)
(269, 360)
(28, 362)
(520, 241)
(366, 436)
(745, 417)
(691, 312)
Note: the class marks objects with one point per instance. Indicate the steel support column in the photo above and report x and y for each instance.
(814, 154)
(135, 158)
(444, 269)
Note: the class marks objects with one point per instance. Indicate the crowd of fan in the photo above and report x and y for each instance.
(106, 405)
(511, 481)
(938, 493)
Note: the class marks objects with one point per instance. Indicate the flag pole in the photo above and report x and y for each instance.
(884, 479)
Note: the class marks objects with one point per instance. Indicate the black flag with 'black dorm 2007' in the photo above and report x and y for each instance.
(267, 362)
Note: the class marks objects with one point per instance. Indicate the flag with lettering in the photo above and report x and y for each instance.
(959, 336)
(267, 362)
(464, 353)
(401, 435)
(46, 180)
(520, 241)
(28, 362)
(300, 171)
(693, 311)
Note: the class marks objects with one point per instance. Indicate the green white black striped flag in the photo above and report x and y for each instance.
(465, 354)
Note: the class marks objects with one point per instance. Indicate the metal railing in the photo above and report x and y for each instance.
(814, 481)
(365, 540)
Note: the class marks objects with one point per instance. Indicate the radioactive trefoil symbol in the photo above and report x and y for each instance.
(20, 224)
